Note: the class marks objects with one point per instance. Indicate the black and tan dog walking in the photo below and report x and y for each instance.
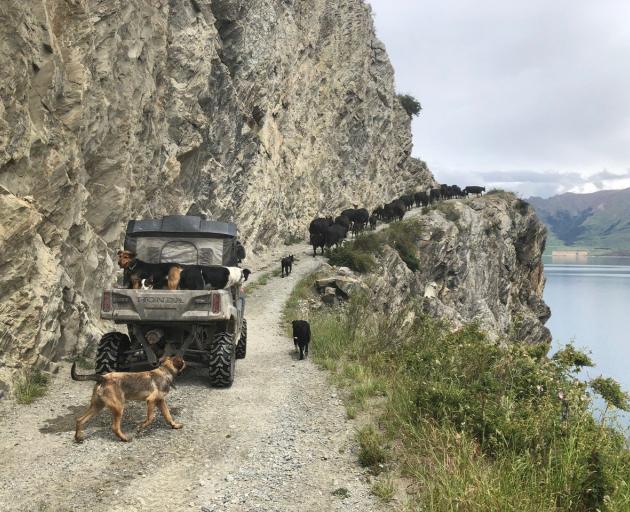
(112, 389)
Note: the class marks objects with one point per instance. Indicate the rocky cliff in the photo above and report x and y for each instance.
(265, 112)
(479, 260)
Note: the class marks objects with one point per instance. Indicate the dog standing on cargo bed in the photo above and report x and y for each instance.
(111, 390)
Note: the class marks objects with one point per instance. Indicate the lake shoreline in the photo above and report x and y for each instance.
(589, 303)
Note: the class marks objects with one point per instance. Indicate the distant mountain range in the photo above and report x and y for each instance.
(598, 222)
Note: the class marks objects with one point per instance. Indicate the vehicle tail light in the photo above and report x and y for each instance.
(106, 302)
(216, 303)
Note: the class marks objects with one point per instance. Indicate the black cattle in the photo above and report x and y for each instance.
(388, 213)
(317, 240)
(395, 210)
(435, 194)
(421, 199)
(286, 265)
(379, 213)
(319, 225)
(361, 219)
(344, 221)
(450, 191)
(349, 214)
(301, 336)
(478, 191)
(373, 221)
(334, 235)
(408, 200)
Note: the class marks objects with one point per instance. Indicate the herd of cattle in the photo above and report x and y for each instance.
(326, 231)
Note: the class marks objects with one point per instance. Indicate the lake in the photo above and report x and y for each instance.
(590, 306)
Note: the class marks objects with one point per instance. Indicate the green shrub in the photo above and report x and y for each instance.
(521, 206)
(356, 259)
(403, 237)
(596, 485)
(571, 358)
(384, 489)
(359, 253)
(372, 453)
(370, 243)
(30, 385)
(450, 211)
(341, 492)
(411, 105)
(475, 425)
(293, 239)
(611, 392)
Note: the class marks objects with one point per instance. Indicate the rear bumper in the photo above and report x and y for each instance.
(155, 306)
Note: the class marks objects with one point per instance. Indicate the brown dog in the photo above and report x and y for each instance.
(112, 389)
(159, 274)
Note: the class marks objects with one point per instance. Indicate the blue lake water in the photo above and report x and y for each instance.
(590, 306)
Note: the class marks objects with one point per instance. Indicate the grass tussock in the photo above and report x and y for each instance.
(293, 239)
(384, 489)
(372, 453)
(475, 426)
(341, 492)
(360, 253)
(449, 210)
(30, 385)
(499, 192)
(263, 280)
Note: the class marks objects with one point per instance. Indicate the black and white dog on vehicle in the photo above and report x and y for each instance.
(217, 277)
(287, 265)
(301, 336)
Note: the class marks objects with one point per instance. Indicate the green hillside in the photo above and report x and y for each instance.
(598, 222)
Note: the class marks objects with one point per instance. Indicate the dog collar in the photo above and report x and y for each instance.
(134, 265)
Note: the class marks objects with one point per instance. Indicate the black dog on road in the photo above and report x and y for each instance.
(301, 336)
(287, 265)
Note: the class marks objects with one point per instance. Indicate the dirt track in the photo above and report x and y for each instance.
(278, 440)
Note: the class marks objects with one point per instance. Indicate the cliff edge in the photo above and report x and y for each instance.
(476, 260)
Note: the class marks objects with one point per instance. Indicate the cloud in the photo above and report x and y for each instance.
(538, 183)
(530, 177)
(515, 85)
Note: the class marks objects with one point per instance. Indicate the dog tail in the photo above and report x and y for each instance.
(75, 376)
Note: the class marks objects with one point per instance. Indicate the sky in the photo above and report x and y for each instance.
(531, 96)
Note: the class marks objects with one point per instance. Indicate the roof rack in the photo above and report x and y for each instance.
(188, 225)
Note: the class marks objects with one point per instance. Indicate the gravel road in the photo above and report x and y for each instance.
(277, 440)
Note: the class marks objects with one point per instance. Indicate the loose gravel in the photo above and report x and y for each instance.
(277, 440)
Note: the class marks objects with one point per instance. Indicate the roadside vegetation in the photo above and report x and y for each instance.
(359, 254)
(262, 280)
(30, 385)
(470, 424)
(411, 105)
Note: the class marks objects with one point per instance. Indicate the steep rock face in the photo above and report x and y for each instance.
(480, 260)
(265, 112)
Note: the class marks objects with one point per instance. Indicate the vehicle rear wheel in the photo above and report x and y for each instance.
(108, 351)
(222, 360)
(241, 347)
